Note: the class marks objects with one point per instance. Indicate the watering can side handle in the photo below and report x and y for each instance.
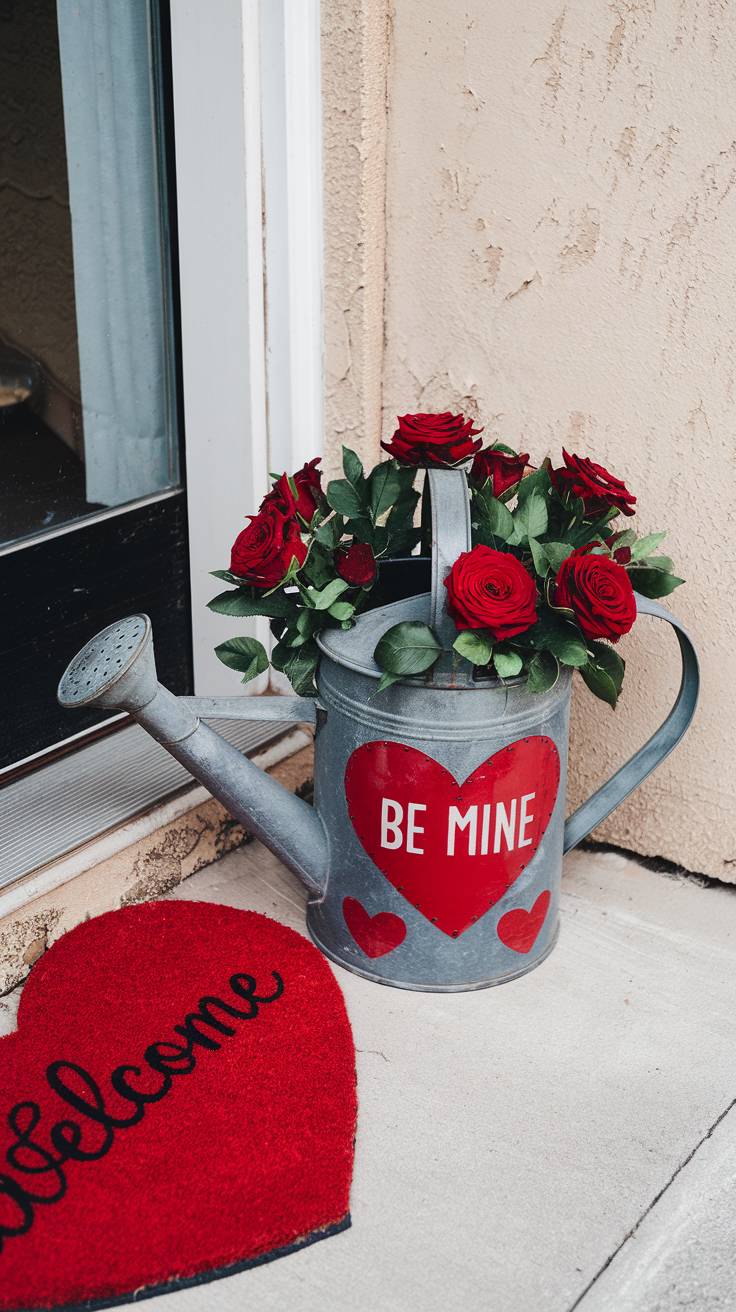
(634, 771)
(451, 536)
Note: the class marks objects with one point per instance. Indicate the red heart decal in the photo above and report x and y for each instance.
(452, 850)
(375, 935)
(177, 1102)
(518, 929)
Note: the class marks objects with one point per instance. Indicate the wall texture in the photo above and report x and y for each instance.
(560, 208)
(354, 69)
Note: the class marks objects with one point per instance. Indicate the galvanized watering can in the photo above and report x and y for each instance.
(433, 853)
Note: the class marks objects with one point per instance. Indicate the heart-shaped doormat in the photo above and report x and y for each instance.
(452, 850)
(178, 1102)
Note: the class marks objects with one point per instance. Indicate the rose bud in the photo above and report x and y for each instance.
(504, 470)
(599, 593)
(492, 590)
(263, 552)
(281, 497)
(308, 482)
(432, 440)
(621, 554)
(598, 489)
(356, 565)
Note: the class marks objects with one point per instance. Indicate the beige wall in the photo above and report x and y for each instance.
(354, 70)
(560, 203)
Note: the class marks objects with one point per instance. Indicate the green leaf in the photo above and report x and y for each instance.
(626, 538)
(575, 507)
(329, 533)
(660, 562)
(323, 598)
(241, 603)
(400, 521)
(344, 498)
(226, 576)
(539, 556)
(542, 672)
(600, 683)
(352, 468)
(496, 517)
(570, 652)
(407, 648)
(381, 538)
(644, 546)
(384, 486)
(246, 655)
(403, 543)
(538, 483)
(319, 567)
(551, 633)
(609, 660)
(556, 553)
(307, 623)
(385, 682)
(475, 645)
(530, 520)
(298, 666)
(507, 663)
(653, 582)
(363, 530)
(341, 610)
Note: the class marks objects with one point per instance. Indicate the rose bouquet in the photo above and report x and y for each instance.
(549, 581)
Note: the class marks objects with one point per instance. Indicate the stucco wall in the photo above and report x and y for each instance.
(354, 69)
(560, 210)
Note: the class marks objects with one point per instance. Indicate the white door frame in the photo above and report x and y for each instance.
(247, 125)
(248, 170)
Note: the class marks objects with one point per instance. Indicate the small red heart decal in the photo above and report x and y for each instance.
(178, 1100)
(452, 850)
(375, 935)
(518, 929)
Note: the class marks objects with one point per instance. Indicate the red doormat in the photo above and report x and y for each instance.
(177, 1104)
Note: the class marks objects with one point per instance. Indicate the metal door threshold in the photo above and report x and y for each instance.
(47, 814)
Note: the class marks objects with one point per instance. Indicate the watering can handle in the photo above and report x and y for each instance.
(633, 772)
(451, 535)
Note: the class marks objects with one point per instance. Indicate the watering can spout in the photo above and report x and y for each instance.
(116, 670)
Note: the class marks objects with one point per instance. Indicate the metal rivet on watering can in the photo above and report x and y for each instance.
(401, 781)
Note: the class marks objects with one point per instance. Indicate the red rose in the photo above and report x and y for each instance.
(263, 552)
(503, 470)
(433, 439)
(599, 593)
(308, 483)
(309, 488)
(281, 498)
(621, 554)
(598, 489)
(489, 589)
(357, 565)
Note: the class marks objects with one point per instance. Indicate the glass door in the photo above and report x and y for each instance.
(92, 502)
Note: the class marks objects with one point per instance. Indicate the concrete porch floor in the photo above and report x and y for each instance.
(565, 1141)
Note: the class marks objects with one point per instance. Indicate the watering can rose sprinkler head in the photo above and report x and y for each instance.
(116, 670)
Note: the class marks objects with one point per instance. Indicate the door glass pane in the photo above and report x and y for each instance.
(86, 395)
